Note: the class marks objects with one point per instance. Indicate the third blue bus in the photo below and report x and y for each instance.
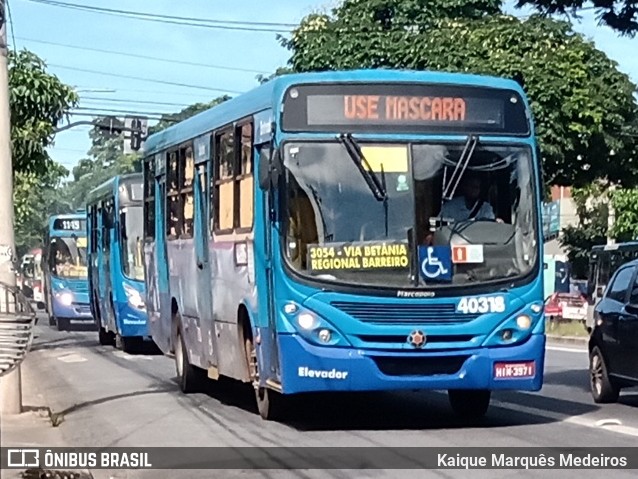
(351, 231)
(116, 265)
(64, 271)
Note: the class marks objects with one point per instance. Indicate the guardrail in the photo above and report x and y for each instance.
(17, 318)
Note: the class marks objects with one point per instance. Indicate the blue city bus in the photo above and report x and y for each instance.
(116, 262)
(294, 238)
(64, 272)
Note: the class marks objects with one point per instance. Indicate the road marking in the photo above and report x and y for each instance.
(128, 357)
(565, 350)
(72, 358)
(576, 420)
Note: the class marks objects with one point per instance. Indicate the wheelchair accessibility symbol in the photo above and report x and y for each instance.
(435, 262)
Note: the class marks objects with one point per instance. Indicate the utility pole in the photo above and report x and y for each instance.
(11, 384)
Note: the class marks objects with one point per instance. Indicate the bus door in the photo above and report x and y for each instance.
(163, 283)
(268, 198)
(204, 288)
(106, 291)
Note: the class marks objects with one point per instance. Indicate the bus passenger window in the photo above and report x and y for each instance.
(246, 149)
(224, 181)
(172, 226)
(188, 214)
(245, 178)
(189, 169)
(172, 171)
(186, 173)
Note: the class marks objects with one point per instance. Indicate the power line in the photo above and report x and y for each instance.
(143, 57)
(142, 102)
(130, 77)
(102, 114)
(264, 27)
(121, 111)
(155, 92)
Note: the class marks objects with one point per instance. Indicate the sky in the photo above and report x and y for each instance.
(225, 61)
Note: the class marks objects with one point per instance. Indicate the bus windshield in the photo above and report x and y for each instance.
(340, 229)
(132, 220)
(69, 257)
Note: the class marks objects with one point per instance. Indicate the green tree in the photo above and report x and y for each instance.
(192, 110)
(581, 102)
(625, 204)
(621, 15)
(38, 102)
(592, 208)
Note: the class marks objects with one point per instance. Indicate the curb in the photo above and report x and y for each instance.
(574, 340)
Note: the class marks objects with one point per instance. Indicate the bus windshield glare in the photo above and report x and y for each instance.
(69, 257)
(132, 218)
(340, 229)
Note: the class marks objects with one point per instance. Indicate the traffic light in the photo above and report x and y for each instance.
(136, 130)
(136, 134)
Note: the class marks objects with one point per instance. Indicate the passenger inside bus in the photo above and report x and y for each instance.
(301, 231)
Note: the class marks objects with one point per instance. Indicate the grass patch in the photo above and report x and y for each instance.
(566, 328)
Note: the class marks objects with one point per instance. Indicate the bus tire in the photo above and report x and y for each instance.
(469, 403)
(104, 337)
(190, 378)
(603, 388)
(52, 321)
(63, 324)
(270, 404)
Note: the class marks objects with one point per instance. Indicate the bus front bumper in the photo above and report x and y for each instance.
(310, 368)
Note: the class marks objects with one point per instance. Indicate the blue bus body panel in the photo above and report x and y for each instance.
(107, 280)
(459, 353)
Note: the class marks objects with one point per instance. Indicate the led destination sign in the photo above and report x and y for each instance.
(404, 107)
(69, 225)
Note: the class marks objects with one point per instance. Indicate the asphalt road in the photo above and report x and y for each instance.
(107, 398)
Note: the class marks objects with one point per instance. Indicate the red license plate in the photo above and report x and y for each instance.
(514, 370)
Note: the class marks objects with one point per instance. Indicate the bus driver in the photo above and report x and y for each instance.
(469, 206)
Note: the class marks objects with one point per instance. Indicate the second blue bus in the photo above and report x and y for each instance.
(64, 271)
(116, 266)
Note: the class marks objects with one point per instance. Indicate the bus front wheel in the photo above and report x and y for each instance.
(105, 338)
(270, 404)
(469, 403)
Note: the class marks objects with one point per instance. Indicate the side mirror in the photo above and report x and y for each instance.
(269, 170)
(264, 173)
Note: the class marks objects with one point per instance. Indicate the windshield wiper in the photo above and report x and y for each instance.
(371, 179)
(461, 166)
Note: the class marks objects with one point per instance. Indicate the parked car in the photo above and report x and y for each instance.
(566, 306)
(613, 343)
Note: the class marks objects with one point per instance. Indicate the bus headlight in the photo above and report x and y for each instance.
(66, 298)
(524, 321)
(307, 321)
(313, 327)
(516, 328)
(134, 297)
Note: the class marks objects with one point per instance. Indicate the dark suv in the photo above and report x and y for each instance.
(613, 345)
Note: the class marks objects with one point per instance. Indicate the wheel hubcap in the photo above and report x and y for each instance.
(597, 373)
(253, 366)
(179, 358)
